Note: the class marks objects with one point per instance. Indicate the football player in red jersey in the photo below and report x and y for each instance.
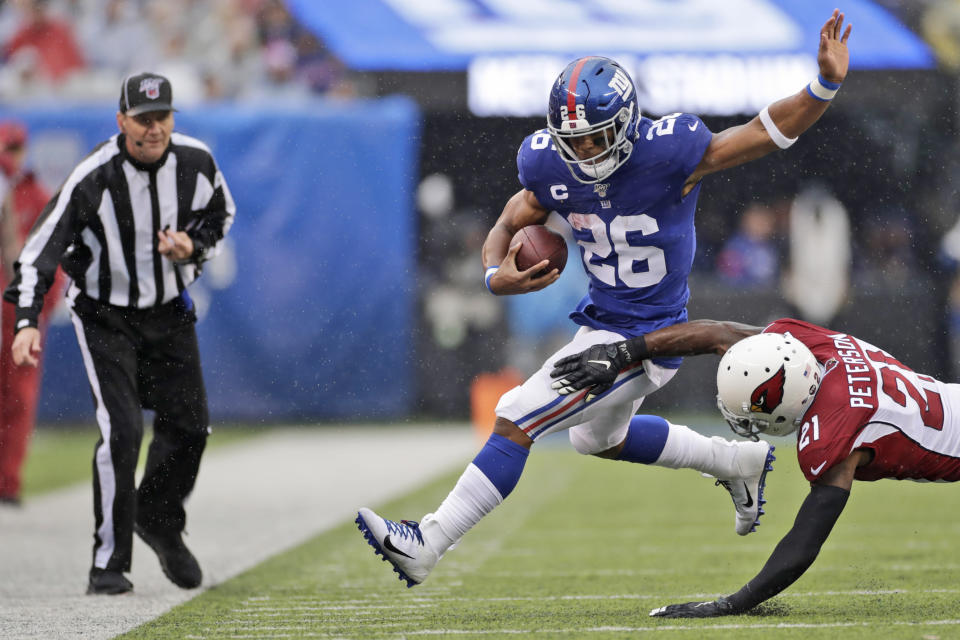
(19, 386)
(861, 415)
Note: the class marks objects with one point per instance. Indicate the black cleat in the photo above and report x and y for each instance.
(108, 583)
(177, 562)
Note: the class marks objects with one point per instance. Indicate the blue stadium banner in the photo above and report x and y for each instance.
(308, 313)
(437, 35)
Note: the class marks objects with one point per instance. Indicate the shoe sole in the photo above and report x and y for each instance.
(767, 466)
(110, 592)
(163, 565)
(378, 550)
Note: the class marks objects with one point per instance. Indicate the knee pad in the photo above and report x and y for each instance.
(590, 439)
(584, 442)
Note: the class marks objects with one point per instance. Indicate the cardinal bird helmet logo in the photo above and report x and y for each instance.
(769, 394)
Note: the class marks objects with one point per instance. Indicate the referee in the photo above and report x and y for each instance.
(131, 226)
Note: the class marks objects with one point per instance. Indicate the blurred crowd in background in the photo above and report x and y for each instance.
(210, 49)
(808, 229)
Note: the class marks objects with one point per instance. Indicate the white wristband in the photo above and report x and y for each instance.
(822, 89)
(489, 274)
(775, 134)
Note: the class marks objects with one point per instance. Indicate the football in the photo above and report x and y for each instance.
(540, 243)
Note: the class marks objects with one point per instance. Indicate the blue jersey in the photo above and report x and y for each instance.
(635, 230)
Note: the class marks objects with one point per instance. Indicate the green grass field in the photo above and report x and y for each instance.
(60, 456)
(584, 548)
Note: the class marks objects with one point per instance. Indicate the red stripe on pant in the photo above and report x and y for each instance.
(564, 406)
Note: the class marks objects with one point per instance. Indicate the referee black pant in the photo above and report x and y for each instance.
(141, 359)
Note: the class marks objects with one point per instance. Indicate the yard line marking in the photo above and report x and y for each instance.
(300, 624)
(778, 625)
(373, 608)
(534, 632)
(826, 568)
(422, 603)
(686, 628)
(719, 627)
(653, 628)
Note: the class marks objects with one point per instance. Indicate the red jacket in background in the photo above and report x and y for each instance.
(58, 53)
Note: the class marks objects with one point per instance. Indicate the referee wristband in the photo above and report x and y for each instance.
(822, 89)
(775, 134)
(489, 274)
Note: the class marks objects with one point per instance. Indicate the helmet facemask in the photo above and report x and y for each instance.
(750, 427)
(614, 134)
(594, 98)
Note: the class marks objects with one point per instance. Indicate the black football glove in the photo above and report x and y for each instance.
(596, 368)
(719, 607)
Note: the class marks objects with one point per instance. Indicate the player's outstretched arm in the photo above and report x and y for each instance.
(779, 124)
(597, 368)
(696, 337)
(793, 555)
(499, 258)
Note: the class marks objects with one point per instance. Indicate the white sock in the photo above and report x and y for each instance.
(687, 449)
(473, 497)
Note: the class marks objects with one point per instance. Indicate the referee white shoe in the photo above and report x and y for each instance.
(400, 543)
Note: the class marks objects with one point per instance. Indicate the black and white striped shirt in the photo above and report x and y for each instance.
(103, 223)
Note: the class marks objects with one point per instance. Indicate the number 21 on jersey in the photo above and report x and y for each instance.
(809, 432)
(897, 386)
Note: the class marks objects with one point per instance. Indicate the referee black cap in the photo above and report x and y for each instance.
(145, 92)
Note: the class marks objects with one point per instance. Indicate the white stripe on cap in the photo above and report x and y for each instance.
(126, 96)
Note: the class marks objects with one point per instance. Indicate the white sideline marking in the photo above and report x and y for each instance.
(243, 491)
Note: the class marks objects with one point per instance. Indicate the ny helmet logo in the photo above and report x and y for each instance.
(621, 84)
(768, 395)
(151, 87)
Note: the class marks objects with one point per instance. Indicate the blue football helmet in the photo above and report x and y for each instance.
(593, 95)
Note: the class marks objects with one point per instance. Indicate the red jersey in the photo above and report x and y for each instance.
(29, 199)
(869, 400)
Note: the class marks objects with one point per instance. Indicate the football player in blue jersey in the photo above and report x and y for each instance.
(628, 187)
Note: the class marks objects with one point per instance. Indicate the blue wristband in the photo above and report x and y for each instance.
(822, 89)
(489, 274)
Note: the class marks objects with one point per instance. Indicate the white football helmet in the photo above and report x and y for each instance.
(765, 383)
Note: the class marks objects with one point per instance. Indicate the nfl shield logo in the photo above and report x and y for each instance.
(151, 87)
